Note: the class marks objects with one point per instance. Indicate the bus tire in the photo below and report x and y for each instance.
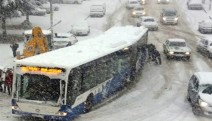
(88, 104)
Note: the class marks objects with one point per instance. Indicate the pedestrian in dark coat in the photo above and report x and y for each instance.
(150, 49)
(156, 57)
(14, 47)
(8, 81)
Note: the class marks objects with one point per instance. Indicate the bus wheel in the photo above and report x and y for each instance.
(88, 104)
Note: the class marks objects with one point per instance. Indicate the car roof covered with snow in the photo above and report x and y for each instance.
(85, 51)
(147, 17)
(204, 77)
(29, 32)
(176, 40)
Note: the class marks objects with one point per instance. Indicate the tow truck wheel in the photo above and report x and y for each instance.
(88, 104)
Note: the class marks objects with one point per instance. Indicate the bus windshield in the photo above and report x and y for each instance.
(39, 87)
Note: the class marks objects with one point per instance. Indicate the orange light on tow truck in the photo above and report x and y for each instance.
(51, 71)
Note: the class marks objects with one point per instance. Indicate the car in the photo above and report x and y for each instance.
(142, 2)
(80, 28)
(176, 47)
(163, 1)
(46, 6)
(98, 9)
(204, 46)
(169, 16)
(132, 3)
(149, 22)
(61, 40)
(205, 26)
(199, 93)
(194, 5)
(138, 11)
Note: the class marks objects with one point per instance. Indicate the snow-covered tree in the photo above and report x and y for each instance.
(7, 7)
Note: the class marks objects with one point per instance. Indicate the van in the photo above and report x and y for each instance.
(98, 9)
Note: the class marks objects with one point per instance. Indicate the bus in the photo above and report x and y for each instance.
(64, 83)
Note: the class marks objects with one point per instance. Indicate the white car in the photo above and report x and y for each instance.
(200, 93)
(142, 2)
(205, 26)
(132, 3)
(80, 28)
(163, 1)
(149, 22)
(98, 9)
(61, 40)
(176, 48)
(194, 4)
(204, 46)
(138, 11)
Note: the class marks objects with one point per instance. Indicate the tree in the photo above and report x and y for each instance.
(24, 6)
(7, 7)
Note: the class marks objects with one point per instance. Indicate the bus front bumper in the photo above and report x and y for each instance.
(68, 117)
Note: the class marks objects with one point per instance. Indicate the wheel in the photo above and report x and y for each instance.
(188, 57)
(168, 57)
(188, 98)
(196, 110)
(88, 104)
(209, 55)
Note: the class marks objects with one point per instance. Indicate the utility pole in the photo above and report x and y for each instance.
(51, 23)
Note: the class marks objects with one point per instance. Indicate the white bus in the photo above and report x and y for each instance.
(61, 84)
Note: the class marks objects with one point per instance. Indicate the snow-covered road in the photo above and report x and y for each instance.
(160, 93)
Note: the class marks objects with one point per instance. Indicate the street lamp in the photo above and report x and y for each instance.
(51, 22)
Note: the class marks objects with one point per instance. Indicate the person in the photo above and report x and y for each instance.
(150, 49)
(14, 47)
(156, 57)
(8, 81)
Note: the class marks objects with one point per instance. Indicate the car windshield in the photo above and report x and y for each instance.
(133, 2)
(139, 8)
(180, 44)
(170, 13)
(149, 20)
(207, 89)
(39, 87)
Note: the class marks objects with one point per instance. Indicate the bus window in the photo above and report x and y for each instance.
(89, 76)
(74, 85)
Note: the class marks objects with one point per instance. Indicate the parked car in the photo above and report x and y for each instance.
(142, 2)
(199, 93)
(138, 11)
(72, 1)
(148, 21)
(204, 46)
(46, 6)
(61, 40)
(132, 3)
(98, 9)
(80, 28)
(176, 48)
(169, 16)
(194, 4)
(163, 1)
(205, 26)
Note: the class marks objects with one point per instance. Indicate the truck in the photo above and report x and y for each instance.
(35, 42)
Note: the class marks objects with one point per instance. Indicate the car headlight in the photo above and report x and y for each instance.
(202, 103)
(158, 0)
(61, 113)
(133, 13)
(144, 13)
(187, 53)
(176, 19)
(171, 52)
(15, 107)
(164, 18)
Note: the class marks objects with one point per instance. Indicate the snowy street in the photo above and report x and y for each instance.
(160, 93)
